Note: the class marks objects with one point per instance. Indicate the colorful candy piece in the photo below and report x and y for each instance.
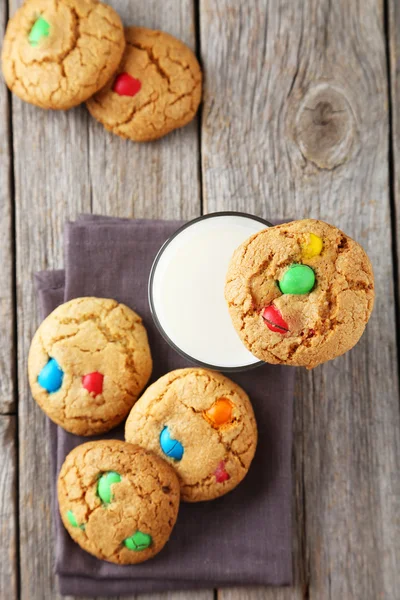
(72, 520)
(104, 486)
(169, 446)
(93, 383)
(220, 412)
(220, 473)
(138, 541)
(40, 29)
(297, 279)
(51, 376)
(274, 320)
(126, 85)
(313, 247)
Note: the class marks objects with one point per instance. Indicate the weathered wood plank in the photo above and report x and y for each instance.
(394, 65)
(262, 152)
(156, 180)
(153, 180)
(49, 188)
(72, 162)
(8, 509)
(51, 185)
(7, 400)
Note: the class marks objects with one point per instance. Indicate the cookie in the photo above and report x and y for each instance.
(88, 362)
(58, 53)
(300, 293)
(201, 423)
(118, 501)
(157, 87)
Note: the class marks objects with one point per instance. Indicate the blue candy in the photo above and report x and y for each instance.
(51, 376)
(170, 447)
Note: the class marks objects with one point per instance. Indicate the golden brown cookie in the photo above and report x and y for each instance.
(157, 88)
(203, 424)
(88, 362)
(300, 293)
(119, 502)
(58, 53)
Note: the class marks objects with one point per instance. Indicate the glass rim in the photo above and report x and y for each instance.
(228, 213)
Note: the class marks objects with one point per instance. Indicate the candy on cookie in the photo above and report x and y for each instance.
(119, 502)
(157, 87)
(297, 279)
(88, 362)
(58, 54)
(202, 424)
(300, 293)
(220, 413)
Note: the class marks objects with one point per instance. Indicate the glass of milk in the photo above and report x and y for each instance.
(186, 290)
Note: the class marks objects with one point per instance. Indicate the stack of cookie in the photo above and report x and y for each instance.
(191, 435)
(139, 83)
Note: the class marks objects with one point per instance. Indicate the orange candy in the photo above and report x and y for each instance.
(220, 412)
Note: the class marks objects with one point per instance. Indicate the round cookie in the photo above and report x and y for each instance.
(157, 87)
(203, 424)
(58, 53)
(119, 502)
(88, 362)
(300, 293)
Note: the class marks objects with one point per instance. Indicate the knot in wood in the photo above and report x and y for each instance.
(325, 127)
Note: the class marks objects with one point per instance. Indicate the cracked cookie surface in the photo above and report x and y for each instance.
(206, 416)
(162, 88)
(137, 519)
(79, 51)
(313, 327)
(101, 351)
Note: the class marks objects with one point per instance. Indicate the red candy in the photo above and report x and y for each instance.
(93, 383)
(274, 320)
(220, 474)
(126, 85)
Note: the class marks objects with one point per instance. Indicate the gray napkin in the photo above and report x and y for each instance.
(243, 538)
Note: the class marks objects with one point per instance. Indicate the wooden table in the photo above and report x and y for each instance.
(300, 119)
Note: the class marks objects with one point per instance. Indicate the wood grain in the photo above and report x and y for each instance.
(7, 401)
(8, 509)
(151, 180)
(49, 188)
(394, 68)
(65, 163)
(264, 59)
(295, 124)
(51, 185)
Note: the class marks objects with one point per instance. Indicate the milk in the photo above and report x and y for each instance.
(186, 290)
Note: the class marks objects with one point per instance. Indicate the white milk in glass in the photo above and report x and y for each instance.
(187, 290)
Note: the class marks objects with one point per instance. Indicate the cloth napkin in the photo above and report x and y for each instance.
(243, 538)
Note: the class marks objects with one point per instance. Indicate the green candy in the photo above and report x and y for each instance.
(72, 520)
(104, 486)
(138, 541)
(40, 29)
(298, 279)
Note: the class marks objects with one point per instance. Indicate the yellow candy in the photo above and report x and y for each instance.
(313, 247)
